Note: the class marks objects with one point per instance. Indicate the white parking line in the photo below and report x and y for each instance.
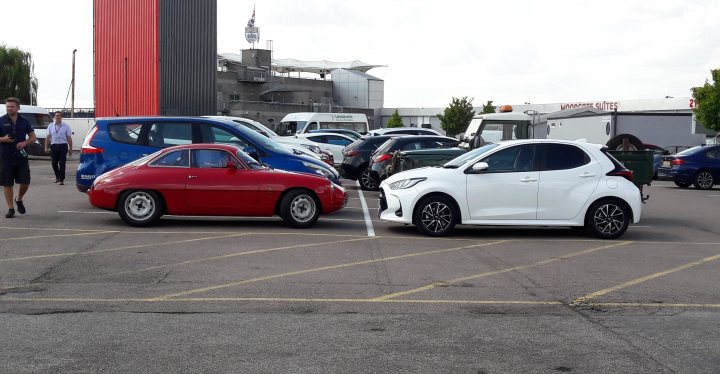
(366, 213)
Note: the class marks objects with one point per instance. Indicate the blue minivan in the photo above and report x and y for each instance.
(115, 141)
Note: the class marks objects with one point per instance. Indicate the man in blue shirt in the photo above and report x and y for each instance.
(59, 144)
(15, 134)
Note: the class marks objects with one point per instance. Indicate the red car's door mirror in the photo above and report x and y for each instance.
(231, 165)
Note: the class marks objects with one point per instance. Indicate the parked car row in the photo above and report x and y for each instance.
(145, 167)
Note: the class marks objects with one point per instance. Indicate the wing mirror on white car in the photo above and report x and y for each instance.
(479, 167)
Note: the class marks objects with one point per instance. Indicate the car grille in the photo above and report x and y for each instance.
(383, 202)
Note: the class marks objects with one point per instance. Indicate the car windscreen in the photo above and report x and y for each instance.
(460, 160)
(689, 151)
(251, 162)
(261, 140)
(288, 128)
(385, 147)
(37, 120)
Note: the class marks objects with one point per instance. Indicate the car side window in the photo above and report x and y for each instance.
(209, 158)
(127, 133)
(511, 160)
(337, 140)
(167, 134)
(412, 145)
(219, 135)
(713, 154)
(564, 157)
(179, 158)
(318, 139)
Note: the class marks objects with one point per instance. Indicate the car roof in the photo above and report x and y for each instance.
(224, 146)
(422, 137)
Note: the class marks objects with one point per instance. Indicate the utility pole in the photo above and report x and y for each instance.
(72, 83)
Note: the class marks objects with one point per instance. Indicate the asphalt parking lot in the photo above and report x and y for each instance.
(82, 292)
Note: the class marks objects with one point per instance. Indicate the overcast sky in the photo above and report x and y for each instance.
(511, 51)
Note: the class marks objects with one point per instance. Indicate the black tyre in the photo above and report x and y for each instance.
(704, 180)
(367, 182)
(436, 216)
(616, 143)
(140, 207)
(608, 219)
(299, 209)
(682, 184)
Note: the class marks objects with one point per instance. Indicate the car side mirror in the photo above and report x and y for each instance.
(231, 165)
(478, 168)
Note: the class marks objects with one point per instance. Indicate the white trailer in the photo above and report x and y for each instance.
(80, 128)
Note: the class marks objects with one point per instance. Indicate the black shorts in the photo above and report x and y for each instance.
(16, 171)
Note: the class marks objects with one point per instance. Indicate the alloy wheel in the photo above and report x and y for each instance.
(436, 216)
(704, 180)
(609, 219)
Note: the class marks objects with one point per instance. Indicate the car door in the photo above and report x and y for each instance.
(568, 177)
(508, 189)
(213, 188)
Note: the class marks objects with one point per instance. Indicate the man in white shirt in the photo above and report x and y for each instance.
(59, 143)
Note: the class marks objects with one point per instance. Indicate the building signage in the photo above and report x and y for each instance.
(603, 105)
(252, 34)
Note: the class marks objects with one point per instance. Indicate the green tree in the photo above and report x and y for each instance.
(488, 108)
(395, 120)
(456, 117)
(16, 75)
(707, 102)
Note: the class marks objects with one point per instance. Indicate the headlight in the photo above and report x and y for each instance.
(320, 170)
(406, 183)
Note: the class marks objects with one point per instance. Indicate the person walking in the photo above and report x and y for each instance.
(59, 144)
(15, 134)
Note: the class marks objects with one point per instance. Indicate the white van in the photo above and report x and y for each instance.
(301, 123)
(39, 119)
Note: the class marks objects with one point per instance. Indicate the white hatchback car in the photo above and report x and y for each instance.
(517, 183)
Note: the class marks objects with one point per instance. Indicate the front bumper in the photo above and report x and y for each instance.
(396, 205)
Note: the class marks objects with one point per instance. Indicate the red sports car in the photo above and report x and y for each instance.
(212, 180)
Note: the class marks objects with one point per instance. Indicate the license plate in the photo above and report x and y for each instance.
(666, 164)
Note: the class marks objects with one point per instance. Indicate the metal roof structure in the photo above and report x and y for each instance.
(319, 67)
(288, 65)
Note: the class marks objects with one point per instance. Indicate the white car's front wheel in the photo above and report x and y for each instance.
(435, 216)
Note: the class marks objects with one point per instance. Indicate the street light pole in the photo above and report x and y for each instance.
(72, 83)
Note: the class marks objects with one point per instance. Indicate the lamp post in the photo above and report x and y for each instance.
(72, 83)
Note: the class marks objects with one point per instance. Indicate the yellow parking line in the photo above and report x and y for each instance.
(496, 272)
(653, 305)
(284, 299)
(633, 282)
(331, 267)
(114, 249)
(222, 257)
(50, 229)
(60, 235)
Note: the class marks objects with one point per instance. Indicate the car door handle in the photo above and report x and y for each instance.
(192, 176)
(587, 175)
(528, 179)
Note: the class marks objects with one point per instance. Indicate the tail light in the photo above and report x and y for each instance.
(350, 153)
(86, 147)
(677, 161)
(382, 157)
(625, 173)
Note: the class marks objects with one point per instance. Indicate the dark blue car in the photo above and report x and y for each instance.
(115, 141)
(699, 166)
